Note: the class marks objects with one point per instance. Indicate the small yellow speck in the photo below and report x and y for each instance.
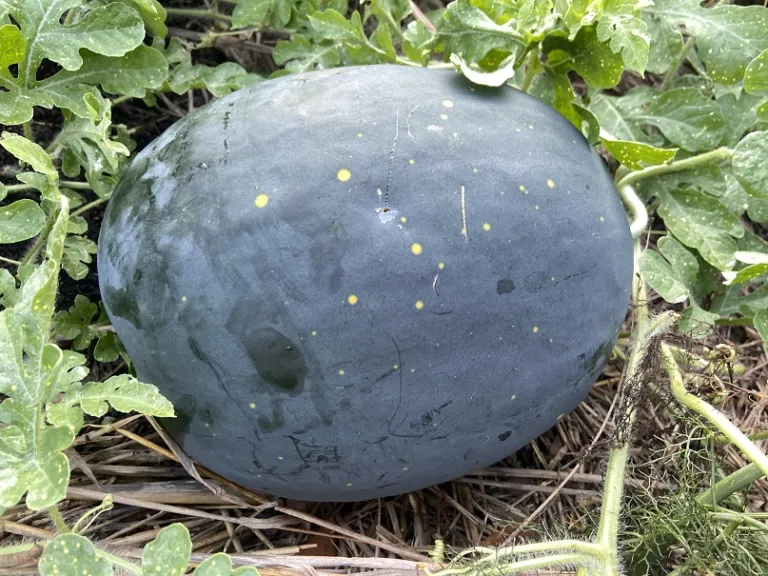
(502, 192)
(343, 175)
(464, 232)
(261, 200)
(455, 134)
(443, 116)
(447, 103)
(441, 265)
(341, 372)
(486, 227)
(535, 329)
(359, 134)
(552, 278)
(183, 298)
(416, 248)
(405, 468)
(403, 219)
(396, 367)
(349, 484)
(560, 417)
(419, 304)
(411, 161)
(352, 299)
(474, 170)
(252, 405)
(314, 332)
(280, 458)
(522, 188)
(550, 183)
(550, 340)
(537, 207)
(602, 219)
(207, 425)
(513, 396)
(413, 370)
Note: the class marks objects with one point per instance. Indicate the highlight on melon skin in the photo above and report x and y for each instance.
(387, 270)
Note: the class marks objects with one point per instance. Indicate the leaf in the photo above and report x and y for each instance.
(168, 554)
(760, 322)
(727, 37)
(78, 252)
(762, 111)
(124, 393)
(699, 221)
(697, 322)
(475, 73)
(110, 30)
(221, 565)
(22, 220)
(300, 55)
(756, 75)
(8, 291)
(29, 152)
(740, 116)
(108, 348)
(132, 74)
(592, 59)
(686, 118)
(471, 34)
(75, 323)
(220, 80)
(620, 23)
(259, 13)
(673, 278)
(73, 555)
(153, 14)
(12, 46)
(618, 116)
(666, 42)
(749, 164)
(637, 155)
(758, 265)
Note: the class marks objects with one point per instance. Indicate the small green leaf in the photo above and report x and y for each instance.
(701, 222)
(75, 323)
(687, 119)
(300, 55)
(219, 80)
(697, 322)
(740, 116)
(475, 73)
(8, 291)
(758, 265)
(662, 278)
(637, 155)
(259, 13)
(107, 348)
(592, 59)
(762, 111)
(73, 555)
(124, 393)
(749, 164)
(620, 23)
(22, 220)
(332, 25)
(666, 42)
(221, 565)
(78, 252)
(29, 152)
(168, 554)
(760, 322)
(153, 14)
(756, 75)
(12, 46)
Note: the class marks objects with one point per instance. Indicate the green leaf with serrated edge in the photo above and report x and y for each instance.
(591, 59)
(221, 565)
(749, 164)
(168, 554)
(666, 42)
(686, 118)
(75, 323)
(471, 34)
(124, 393)
(22, 220)
(332, 25)
(416, 41)
(111, 30)
(620, 23)
(699, 221)
(727, 37)
(662, 277)
(12, 46)
(72, 555)
(637, 155)
(756, 75)
(220, 80)
(697, 322)
(107, 348)
(618, 116)
(78, 253)
(29, 152)
(132, 74)
(760, 322)
(300, 55)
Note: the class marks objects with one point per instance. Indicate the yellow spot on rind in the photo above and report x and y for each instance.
(252, 405)
(447, 103)
(487, 227)
(419, 304)
(261, 200)
(416, 248)
(441, 265)
(343, 175)
(535, 329)
(550, 183)
(352, 299)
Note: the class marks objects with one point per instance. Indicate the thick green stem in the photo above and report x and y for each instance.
(680, 165)
(637, 210)
(58, 520)
(544, 562)
(672, 72)
(198, 13)
(533, 67)
(711, 414)
(66, 184)
(731, 484)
